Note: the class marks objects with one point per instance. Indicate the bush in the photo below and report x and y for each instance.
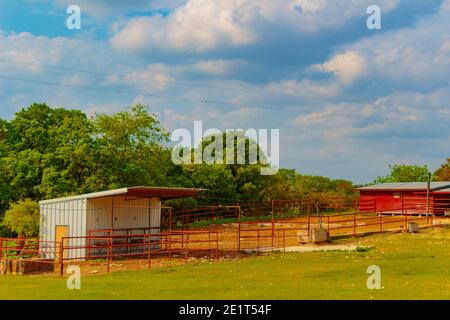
(23, 218)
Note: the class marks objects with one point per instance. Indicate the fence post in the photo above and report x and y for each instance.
(1, 256)
(354, 224)
(187, 249)
(381, 223)
(273, 228)
(109, 253)
(149, 250)
(406, 221)
(257, 241)
(239, 232)
(169, 238)
(170, 220)
(328, 225)
(61, 256)
(217, 245)
(309, 217)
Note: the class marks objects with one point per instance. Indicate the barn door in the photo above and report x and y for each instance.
(60, 233)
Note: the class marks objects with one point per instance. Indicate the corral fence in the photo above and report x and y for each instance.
(213, 232)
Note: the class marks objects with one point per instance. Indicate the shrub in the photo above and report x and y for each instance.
(23, 218)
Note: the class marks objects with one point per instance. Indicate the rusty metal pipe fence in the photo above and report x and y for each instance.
(219, 231)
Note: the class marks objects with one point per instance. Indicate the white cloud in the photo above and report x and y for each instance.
(205, 25)
(416, 57)
(346, 66)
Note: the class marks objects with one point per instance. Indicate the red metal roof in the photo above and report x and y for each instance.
(163, 192)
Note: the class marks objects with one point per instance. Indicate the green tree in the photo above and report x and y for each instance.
(47, 152)
(404, 173)
(443, 173)
(130, 149)
(23, 218)
(219, 181)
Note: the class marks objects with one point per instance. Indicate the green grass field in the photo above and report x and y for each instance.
(413, 266)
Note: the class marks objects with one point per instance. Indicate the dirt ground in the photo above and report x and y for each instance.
(224, 240)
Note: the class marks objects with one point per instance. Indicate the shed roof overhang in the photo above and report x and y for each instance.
(164, 193)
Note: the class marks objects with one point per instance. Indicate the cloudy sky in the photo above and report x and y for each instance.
(348, 101)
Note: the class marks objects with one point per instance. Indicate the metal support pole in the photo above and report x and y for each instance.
(217, 245)
(239, 232)
(109, 253)
(149, 251)
(61, 257)
(406, 221)
(309, 217)
(257, 241)
(428, 195)
(273, 228)
(1, 256)
(170, 220)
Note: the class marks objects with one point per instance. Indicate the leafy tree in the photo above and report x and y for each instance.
(404, 173)
(443, 173)
(130, 150)
(47, 151)
(219, 181)
(23, 218)
(281, 185)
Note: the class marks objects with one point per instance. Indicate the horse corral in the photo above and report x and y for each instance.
(210, 232)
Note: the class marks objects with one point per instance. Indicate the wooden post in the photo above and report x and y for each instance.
(354, 224)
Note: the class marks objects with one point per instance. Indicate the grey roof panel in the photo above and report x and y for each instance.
(407, 186)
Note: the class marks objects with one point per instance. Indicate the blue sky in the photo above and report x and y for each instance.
(348, 101)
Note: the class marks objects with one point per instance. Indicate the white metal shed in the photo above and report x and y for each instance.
(125, 208)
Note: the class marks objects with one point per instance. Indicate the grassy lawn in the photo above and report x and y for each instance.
(413, 266)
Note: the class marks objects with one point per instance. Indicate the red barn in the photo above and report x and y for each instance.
(406, 197)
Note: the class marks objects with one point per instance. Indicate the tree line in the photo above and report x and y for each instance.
(48, 152)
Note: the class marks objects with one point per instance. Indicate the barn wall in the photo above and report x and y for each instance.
(411, 202)
(71, 213)
(121, 212)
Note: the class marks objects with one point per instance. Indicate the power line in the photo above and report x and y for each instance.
(191, 84)
(223, 103)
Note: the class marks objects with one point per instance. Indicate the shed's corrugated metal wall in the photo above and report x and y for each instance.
(70, 213)
(123, 213)
(82, 215)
